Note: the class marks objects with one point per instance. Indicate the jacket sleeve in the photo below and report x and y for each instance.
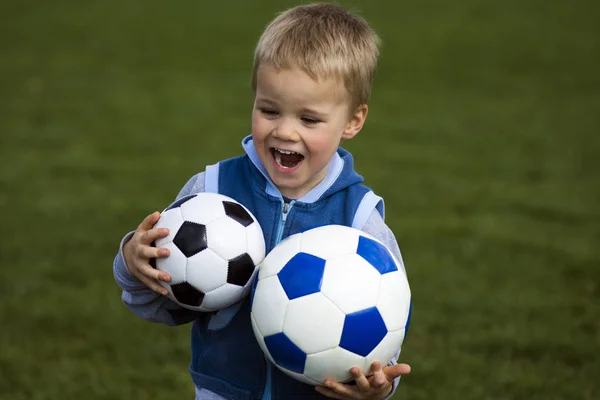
(375, 226)
(141, 300)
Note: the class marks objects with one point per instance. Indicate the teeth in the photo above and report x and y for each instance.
(279, 153)
(278, 159)
(286, 151)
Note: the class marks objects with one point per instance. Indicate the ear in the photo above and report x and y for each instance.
(356, 122)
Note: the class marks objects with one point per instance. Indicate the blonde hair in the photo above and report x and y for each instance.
(325, 41)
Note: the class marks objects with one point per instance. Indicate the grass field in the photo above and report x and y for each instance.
(483, 137)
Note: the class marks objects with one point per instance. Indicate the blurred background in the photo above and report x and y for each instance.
(483, 137)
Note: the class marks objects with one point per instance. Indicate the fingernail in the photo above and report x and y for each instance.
(164, 292)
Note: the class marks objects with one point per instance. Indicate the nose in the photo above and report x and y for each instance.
(286, 130)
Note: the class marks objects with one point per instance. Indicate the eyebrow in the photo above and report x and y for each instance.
(270, 102)
(314, 112)
(265, 100)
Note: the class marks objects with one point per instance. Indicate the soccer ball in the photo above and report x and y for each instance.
(327, 300)
(216, 245)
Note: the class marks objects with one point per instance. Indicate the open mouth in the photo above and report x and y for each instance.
(286, 158)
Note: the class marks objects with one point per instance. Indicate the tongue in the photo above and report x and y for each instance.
(289, 160)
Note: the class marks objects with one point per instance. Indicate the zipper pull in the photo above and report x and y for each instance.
(286, 207)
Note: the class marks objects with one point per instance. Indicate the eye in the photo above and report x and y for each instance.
(310, 120)
(269, 112)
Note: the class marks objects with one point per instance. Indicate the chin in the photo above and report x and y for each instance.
(286, 186)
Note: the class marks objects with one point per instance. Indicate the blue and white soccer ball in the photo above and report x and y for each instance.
(216, 246)
(327, 300)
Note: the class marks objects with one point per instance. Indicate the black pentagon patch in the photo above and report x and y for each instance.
(187, 294)
(240, 270)
(237, 213)
(179, 202)
(152, 261)
(190, 238)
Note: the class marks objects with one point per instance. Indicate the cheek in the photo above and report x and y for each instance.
(324, 143)
(255, 121)
(261, 127)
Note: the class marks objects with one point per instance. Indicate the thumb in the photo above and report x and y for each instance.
(394, 371)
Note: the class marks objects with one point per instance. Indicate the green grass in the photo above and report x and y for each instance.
(482, 137)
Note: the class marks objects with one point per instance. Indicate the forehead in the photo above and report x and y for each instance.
(294, 86)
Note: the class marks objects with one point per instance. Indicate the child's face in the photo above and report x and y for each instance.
(297, 126)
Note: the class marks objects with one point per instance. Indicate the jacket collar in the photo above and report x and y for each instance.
(336, 167)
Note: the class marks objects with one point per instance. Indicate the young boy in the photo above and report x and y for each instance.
(313, 70)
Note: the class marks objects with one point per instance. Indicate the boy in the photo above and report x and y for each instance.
(312, 76)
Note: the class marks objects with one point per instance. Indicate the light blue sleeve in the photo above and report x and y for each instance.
(143, 301)
(375, 226)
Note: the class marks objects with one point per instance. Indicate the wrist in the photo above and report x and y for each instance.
(126, 251)
(389, 392)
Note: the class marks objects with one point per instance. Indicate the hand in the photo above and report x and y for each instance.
(138, 252)
(374, 387)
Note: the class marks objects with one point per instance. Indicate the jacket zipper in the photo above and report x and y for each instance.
(285, 210)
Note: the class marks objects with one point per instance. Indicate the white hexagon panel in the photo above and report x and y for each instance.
(351, 283)
(212, 209)
(313, 323)
(330, 241)
(279, 256)
(175, 264)
(270, 304)
(390, 345)
(214, 299)
(206, 270)
(255, 245)
(394, 300)
(226, 237)
(332, 364)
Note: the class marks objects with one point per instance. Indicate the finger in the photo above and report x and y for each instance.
(379, 378)
(394, 371)
(149, 221)
(154, 285)
(329, 393)
(148, 252)
(346, 391)
(157, 275)
(362, 383)
(151, 235)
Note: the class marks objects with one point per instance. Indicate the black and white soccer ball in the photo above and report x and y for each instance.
(216, 245)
